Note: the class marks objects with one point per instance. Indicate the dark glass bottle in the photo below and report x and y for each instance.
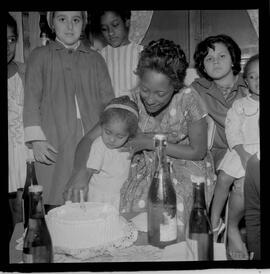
(200, 229)
(37, 244)
(31, 179)
(162, 226)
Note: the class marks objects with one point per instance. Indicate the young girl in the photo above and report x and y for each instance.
(217, 60)
(17, 151)
(242, 132)
(67, 85)
(120, 54)
(109, 167)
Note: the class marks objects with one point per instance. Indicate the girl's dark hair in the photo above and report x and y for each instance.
(249, 62)
(95, 17)
(164, 56)
(203, 47)
(11, 22)
(124, 115)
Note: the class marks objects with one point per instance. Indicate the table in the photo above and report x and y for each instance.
(139, 251)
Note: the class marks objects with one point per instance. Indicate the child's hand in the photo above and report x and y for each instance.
(43, 152)
(79, 180)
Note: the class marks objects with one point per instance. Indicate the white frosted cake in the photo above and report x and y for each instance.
(99, 225)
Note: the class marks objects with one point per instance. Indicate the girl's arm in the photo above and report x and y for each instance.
(80, 174)
(35, 138)
(235, 138)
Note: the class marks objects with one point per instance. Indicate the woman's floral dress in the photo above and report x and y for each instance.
(185, 108)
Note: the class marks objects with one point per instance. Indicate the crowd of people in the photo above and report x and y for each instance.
(88, 118)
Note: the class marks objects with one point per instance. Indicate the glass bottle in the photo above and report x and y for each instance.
(200, 229)
(37, 244)
(31, 179)
(161, 217)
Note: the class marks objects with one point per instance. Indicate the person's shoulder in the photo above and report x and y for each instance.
(238, 104)
(201, 84)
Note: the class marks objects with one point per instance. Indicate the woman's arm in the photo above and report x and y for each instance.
(194, 151)
(80, 174)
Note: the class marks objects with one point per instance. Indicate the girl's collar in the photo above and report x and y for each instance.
(74, 47)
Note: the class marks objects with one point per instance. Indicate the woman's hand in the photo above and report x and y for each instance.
(140, 142)
(79, 180)
(44, 152)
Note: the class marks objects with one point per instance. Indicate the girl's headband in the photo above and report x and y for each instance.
(123, 107)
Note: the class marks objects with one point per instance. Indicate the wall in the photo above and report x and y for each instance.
(189, 27)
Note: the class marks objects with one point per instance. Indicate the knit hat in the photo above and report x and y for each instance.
(50, 18)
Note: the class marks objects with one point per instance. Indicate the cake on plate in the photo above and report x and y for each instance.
(90, 231)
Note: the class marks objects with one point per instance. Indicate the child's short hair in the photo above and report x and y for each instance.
(11, 22)
(202, 49)
(164, 56)
(95, 17)
(249, 62)
(122, 108)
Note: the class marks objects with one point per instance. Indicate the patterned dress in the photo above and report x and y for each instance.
(185, 108)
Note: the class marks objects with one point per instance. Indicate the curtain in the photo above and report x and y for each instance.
(34, 30)
(254, 17)
(139, 23)
(19, 46)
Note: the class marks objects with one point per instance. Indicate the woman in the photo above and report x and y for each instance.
(164, 107)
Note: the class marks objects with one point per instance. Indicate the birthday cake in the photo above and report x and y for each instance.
(90, 231)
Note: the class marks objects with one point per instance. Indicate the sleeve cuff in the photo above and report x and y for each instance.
(34, 133)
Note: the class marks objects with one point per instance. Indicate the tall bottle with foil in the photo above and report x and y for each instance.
(200, 229)
(31, 179)
(37, 244)
(161, 206)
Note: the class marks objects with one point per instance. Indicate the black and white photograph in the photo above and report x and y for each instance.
(133, 139)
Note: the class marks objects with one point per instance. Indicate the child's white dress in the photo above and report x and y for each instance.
(113, 169)
(17, 151)
(122, 62)
(241, 127)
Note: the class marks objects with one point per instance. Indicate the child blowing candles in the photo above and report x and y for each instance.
(109, 167)
(67, 85)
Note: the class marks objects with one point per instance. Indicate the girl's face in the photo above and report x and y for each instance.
(68, 26)
(253, 77)
(218, 62)
(156, 90)
(114, 29)
(114, 133)
(11, 44)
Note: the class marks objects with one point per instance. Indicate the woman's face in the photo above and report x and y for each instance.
(114, 133)
(253, 77)
(11, 44)
(114, 29)
(156, 90)
(68, 26)
(218, 62)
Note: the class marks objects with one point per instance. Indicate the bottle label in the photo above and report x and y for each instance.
(202, 246)
(27, 258)
(168, 230)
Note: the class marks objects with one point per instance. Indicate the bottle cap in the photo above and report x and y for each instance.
(197, 179)
(160, 137)
(35, 188)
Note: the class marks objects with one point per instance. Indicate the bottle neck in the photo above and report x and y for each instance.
(31, 173)
(160, 155)
(199, 196)
(36, 209)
